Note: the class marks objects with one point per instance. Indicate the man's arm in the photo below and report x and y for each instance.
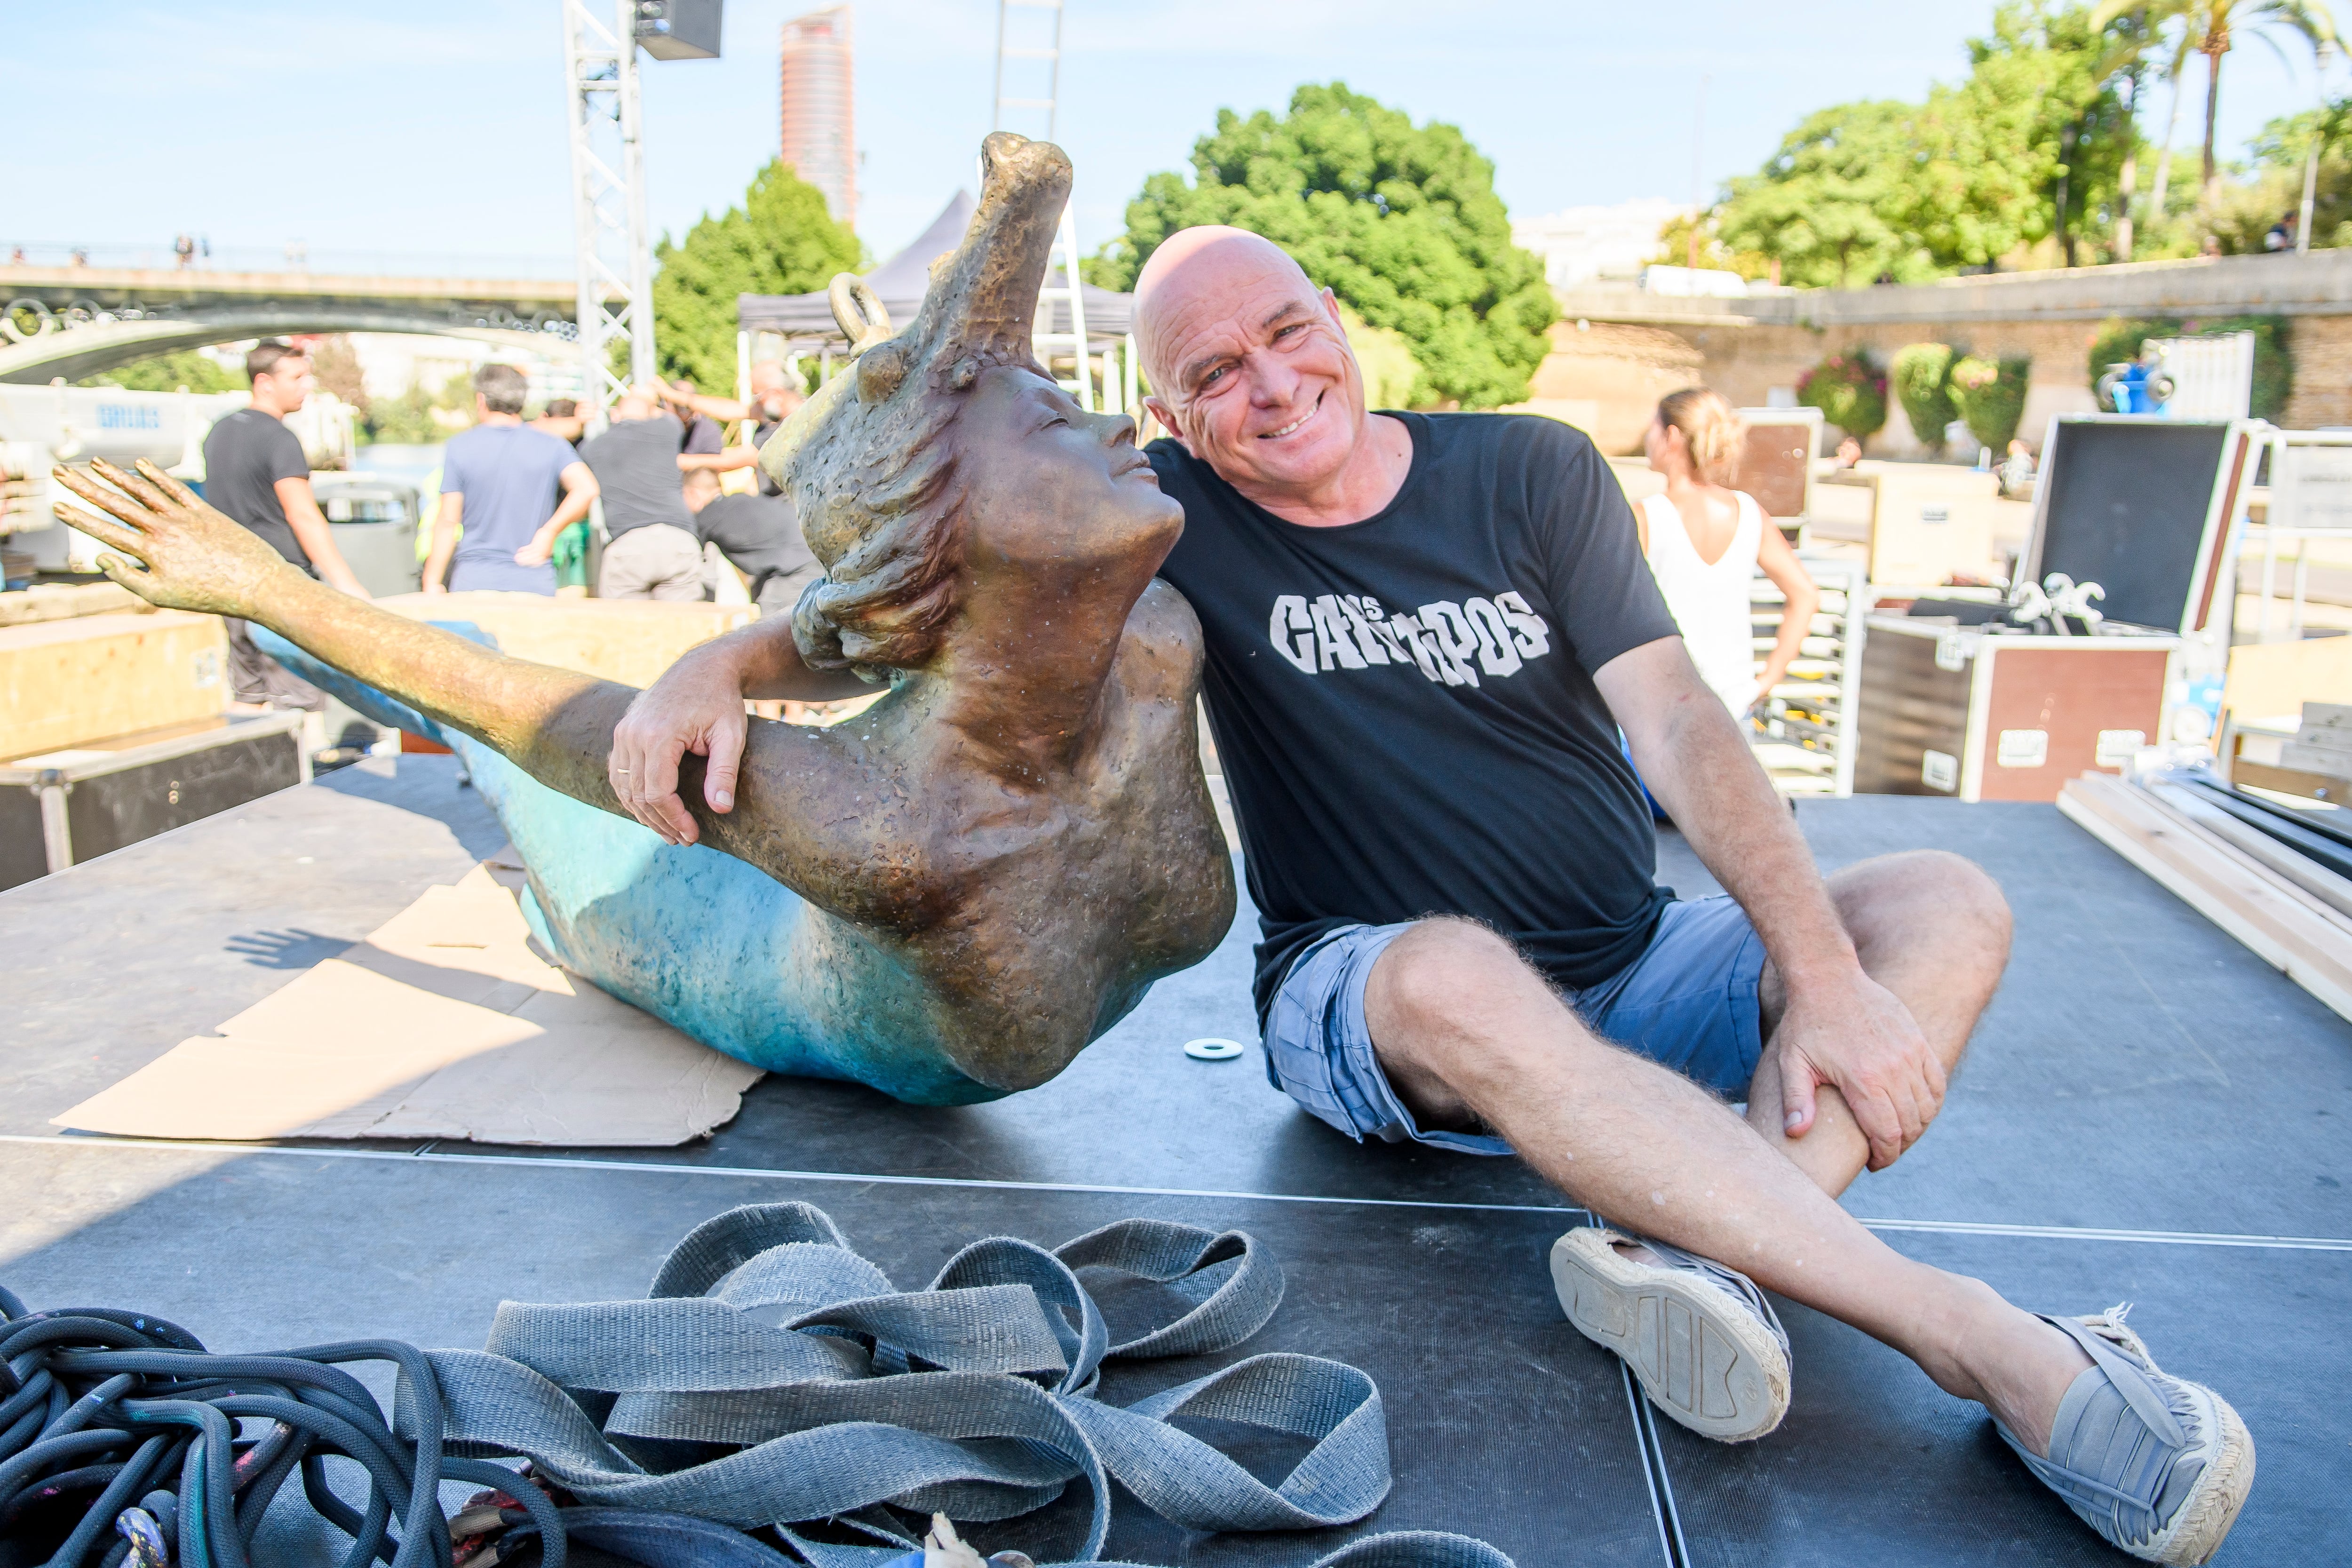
(310, 531)
(446, 516)
(719, 462)
(697, 706)
(1840, 1027)
(580, 492)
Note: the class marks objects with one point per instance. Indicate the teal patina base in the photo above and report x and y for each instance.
(714, 947)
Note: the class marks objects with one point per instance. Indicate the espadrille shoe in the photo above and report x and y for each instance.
(1701, 1339)
(2156, 1464)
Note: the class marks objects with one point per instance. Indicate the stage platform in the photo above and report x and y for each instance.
(2148, 1115)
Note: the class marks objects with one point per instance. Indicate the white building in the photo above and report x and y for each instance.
(1598, 245)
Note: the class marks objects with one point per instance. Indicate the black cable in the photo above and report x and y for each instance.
(96, 1403)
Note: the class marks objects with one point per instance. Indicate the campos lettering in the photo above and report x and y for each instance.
(1451, 643)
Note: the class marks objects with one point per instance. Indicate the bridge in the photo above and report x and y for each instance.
(78, 321)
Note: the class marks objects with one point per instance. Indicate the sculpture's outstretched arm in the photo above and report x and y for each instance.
(557, 725)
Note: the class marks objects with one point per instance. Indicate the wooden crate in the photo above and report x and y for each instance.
(628, 640)
(1954, 711)
(67, 682)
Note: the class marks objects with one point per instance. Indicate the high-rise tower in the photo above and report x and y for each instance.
(820, 138)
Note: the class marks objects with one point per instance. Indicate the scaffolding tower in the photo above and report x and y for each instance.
(1053, 341)
(611, 248)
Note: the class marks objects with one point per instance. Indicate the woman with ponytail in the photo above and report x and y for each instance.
(1705, 542)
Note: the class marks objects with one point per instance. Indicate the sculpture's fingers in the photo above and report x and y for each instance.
(112, 502)
(99, 528)
(131, 485)
(168, 485)
(129, 576)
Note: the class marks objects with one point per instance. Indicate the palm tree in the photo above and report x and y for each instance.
(2208, 28)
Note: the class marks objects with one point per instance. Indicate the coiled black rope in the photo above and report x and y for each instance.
(123, 1440)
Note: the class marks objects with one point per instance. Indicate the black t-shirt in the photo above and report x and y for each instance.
(246, 455)
(635, 465)
(760, 536)
(1405, 707)
(703, 437)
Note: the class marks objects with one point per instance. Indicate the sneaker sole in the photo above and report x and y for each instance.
(2213, 1504)
(1699, 1352)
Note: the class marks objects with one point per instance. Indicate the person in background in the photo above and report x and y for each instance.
(775, 396)
(760, 536)
(704, 438)
(1705, 542)
(506, 490)
(2016, 472)
(256, 472)
(562, 419)
(652, 552)
(1849, 453)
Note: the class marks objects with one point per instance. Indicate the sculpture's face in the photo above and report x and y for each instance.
(1052, 490)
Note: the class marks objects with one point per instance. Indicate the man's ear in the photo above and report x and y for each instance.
(1159, 410)
(1332, 310)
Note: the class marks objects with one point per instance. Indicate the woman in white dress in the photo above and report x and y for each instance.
(1705, 542)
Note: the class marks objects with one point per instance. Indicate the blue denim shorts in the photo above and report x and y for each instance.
(1688, 1003)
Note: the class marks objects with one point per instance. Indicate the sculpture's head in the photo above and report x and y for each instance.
(943, 467)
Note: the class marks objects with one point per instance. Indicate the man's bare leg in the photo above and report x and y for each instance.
(1930, 927)
(1465, 1029)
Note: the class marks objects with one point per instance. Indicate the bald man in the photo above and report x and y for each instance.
(1424, 635)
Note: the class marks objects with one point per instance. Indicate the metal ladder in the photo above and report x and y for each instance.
(1052, 339)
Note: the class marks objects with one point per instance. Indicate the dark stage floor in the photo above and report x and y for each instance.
(2149, 1113)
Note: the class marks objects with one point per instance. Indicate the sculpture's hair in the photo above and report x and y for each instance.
(869, 461)
(1712, 430)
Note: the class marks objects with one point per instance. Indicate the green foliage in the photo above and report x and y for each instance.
(1675, 248)
(780, 241)
(2119, 341)
(169, 372)
(1991, 395)
(1830, 205)
(1401, 221)
(1850, 392)
(2279, 149)
(1972, 175)
(1384, 358)
(1922, 375)
(409, 419)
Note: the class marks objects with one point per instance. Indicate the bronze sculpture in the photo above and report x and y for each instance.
(994, 862)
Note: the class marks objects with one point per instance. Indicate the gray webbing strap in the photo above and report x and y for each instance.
(974, 1397)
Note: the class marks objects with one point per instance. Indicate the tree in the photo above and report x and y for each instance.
(2283, 145)
(2210, 28)
(1829, 206)
(169, 372)
(1922, 378)
(780, 241)
(1399, 221)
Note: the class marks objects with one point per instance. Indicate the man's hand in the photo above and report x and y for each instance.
(1855, 1036)
(536, 552)
(195, 558)
(696, 706)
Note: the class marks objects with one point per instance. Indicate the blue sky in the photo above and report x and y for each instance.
(434, 127)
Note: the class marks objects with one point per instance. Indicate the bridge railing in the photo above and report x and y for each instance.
(293, 256)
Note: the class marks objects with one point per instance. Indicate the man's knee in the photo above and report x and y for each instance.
(1925, 896)
(1434, 988)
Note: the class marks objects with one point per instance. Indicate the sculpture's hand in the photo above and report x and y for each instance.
(696, 706)
(195, 558)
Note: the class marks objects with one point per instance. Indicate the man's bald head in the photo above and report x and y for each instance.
(633, 407)
(1198, 267)
(1250, 367)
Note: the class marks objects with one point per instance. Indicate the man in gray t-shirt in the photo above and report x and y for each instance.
(652, 552)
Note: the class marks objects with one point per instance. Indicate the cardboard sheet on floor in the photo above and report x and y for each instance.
(444, 1023)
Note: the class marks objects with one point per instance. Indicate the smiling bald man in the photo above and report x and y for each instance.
(1424, 635)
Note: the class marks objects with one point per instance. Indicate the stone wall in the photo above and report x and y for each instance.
(1616, 354)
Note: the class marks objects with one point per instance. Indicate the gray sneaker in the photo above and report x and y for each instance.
(2157, 1465)
(1701, 1339)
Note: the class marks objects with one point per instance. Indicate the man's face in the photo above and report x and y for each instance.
(1253, 372)
(289, 383)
